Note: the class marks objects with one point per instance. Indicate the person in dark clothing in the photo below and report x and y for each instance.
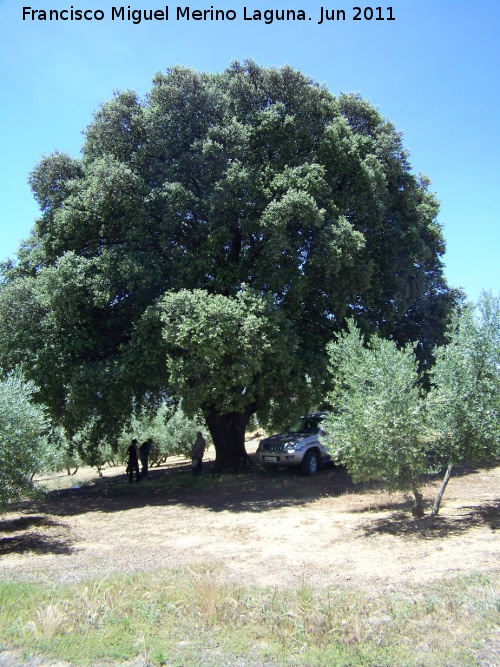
(133, 462)
(197, 452)
(144, 452)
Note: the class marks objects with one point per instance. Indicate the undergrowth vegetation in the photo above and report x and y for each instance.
(194, 616)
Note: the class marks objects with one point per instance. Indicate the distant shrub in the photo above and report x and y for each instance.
(66, 456)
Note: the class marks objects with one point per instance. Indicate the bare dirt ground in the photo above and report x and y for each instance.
(258, 528)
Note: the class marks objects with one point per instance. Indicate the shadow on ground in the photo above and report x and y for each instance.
(50, 538)
(400, 523)
(254, 490)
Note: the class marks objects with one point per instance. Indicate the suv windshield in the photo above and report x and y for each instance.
(305, 425)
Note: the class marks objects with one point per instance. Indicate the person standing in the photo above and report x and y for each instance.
(133, 462)
(197, 452)
(144, 452)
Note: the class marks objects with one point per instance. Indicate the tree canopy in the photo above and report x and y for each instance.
(254, 188)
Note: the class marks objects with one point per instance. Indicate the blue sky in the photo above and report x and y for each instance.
(434, 71)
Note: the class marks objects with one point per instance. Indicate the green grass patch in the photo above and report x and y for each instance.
(194, 617)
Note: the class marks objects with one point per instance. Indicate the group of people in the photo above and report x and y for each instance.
(136, 454)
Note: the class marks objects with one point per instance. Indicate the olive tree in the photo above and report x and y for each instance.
(385, 427)
(25, 449)
(379, 426)
(465, 396)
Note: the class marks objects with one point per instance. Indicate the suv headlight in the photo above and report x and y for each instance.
(293, 446)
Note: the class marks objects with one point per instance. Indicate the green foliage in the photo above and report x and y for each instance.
(233, 354)
(465, 395)
(384, 427)
(378, 428)
(91, 444)
(65, 454)
(253, 177)
(171, 430)
(24, 445)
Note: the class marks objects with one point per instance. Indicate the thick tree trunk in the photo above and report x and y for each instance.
(444, 484)
(228, 433)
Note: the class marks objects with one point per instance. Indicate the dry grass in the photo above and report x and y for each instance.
(49, 621)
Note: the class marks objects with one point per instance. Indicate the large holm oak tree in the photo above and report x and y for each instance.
(210, 240)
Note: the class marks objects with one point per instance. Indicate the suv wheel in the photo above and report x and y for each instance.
(310, 463)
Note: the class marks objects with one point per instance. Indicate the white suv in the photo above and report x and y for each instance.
(299, 446)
